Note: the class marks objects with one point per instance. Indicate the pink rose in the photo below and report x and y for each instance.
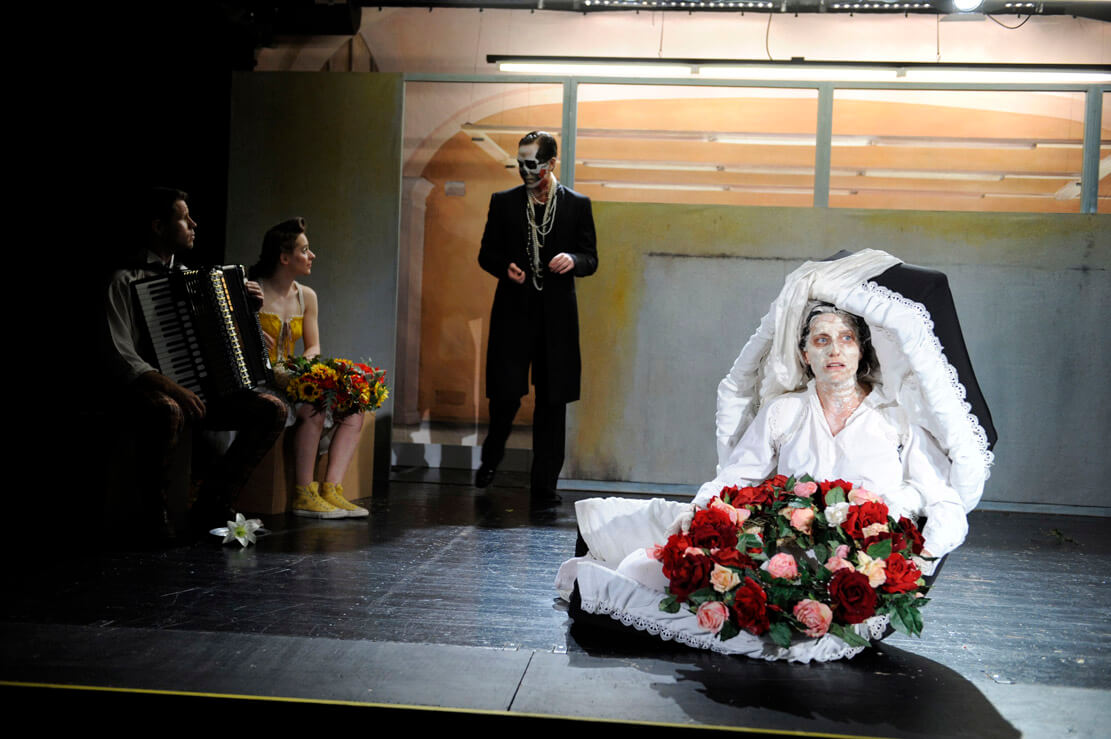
(874, 529)
(873, 569)
(835, 563)
(655, 551)
(842, 551)
(783, 565)
(860, 495)
(712, 615)
(724, 579)
(737, 516)
(805, 489)
(815, 616)
(800, 518)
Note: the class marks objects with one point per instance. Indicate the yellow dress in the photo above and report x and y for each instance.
(285, 333)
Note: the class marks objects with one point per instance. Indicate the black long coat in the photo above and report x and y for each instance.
(554, 309)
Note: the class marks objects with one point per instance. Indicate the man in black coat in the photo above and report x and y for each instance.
(539, 237)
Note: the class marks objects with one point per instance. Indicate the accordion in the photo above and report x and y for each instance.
(201, 330)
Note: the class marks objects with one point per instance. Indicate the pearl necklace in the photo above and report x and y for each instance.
(536, 231)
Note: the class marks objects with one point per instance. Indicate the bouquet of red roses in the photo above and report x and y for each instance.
(792, 555)
(336, 386)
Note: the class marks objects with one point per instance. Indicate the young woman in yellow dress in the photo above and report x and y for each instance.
(289, 314)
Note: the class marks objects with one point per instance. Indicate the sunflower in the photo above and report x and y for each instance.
(324, 372)
(310, 392)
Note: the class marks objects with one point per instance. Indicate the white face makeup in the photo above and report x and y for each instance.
(532, 171)
(832, 350)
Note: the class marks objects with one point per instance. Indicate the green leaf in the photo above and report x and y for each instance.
(702, 595)
(669, 604)
(790, 483)
(848, 636)
(728, 631)
(785, 530)
(821, 552)
(780, 634)
(836, 495)
(781, 595)
(897, 621)
(806, 478)
(880, 550)
(913, 619)
(746, 541)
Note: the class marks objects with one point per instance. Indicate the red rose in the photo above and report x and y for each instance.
(673, 551)
(862, 516)
(750, 607)
(831, 484)
(749, 495)
(902, 575)
(916, 541)
(712, 529)
(730, 557)
(898, 541)
(772, 489)
(690, 573)
(852, 596)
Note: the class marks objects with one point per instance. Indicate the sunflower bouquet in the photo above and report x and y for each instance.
(336, 386)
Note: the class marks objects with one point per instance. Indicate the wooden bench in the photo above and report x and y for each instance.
(270, 486)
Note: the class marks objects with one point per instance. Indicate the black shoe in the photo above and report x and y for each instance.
(484, 476)
(548, 499)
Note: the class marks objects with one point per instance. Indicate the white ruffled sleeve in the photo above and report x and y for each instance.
(753, 459)
(916, 371)
(927, 472)
(737, 392)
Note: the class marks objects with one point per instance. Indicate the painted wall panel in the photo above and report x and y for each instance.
(326, 147)
(680, 289)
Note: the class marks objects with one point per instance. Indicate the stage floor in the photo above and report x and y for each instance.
(444, 599)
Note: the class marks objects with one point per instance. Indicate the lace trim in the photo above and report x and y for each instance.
(877, 625)
(923, 315)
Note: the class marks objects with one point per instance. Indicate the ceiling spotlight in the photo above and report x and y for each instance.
(967, 6)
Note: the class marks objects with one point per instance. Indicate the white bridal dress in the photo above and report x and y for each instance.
(912, 440)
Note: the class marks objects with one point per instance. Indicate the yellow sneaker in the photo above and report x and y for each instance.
(307, 502)
(333, 493)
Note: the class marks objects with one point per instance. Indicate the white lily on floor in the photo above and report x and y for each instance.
(241, 530)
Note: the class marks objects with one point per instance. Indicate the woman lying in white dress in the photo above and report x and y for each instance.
(825, 409)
